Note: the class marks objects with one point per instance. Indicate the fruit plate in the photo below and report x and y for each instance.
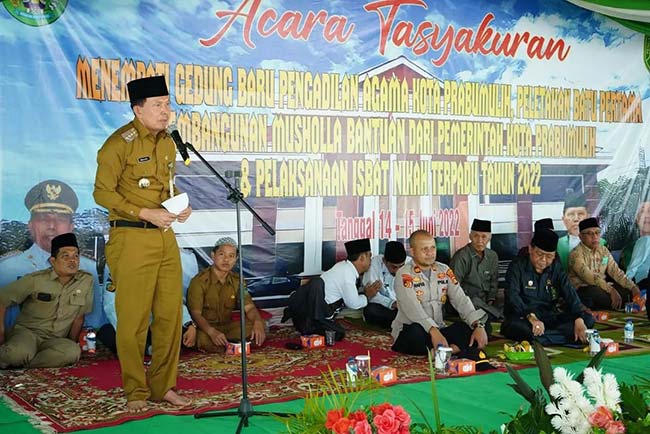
(518, 356)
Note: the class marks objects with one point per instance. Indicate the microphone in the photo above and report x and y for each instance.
(180, 145)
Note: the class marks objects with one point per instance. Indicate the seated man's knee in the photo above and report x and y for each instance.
(15, 355)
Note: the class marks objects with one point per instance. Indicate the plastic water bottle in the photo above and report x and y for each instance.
(91, 341)
(352, 369)
(594, 343)
(628, 333)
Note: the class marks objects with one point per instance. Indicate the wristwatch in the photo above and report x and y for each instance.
(189, 323)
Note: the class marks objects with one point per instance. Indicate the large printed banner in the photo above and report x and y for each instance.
(337, 119)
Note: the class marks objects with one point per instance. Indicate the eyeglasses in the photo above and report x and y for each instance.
(544, 255)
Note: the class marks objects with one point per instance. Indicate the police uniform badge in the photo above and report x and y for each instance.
(144, 183)
(443, 299)
(407, 280)
(417, 269)
(452, 276)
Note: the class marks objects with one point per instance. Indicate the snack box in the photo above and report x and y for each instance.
(612, 347)
(462, 367)
(234, 348)
(385, 375)
(600, 315)
(313, 341)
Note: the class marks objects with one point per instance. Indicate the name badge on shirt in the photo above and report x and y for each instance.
(44, 296)
(605, 260)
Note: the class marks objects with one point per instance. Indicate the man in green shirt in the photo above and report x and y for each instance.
(54, 302)
(477, 269)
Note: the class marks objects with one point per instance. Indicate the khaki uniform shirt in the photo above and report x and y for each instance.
(420, 299)
(48, 307)
(129, 158)
(214, 299)
(588, 267)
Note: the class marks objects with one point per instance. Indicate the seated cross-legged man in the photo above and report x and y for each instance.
(590, 263)
(540, 302)
(313, 307)
(477, 269)
(382, 308)
(54, 302)
(212, 297)
(422, 288)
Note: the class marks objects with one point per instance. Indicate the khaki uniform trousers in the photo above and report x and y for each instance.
(146, 269)
(24, 348)
(232, 330)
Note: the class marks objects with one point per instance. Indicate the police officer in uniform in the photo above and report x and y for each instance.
(422, 288)
(54, 302)
(540, 301)
(51, 204)
(134, 176)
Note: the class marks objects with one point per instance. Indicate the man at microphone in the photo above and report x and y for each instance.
(135, 172)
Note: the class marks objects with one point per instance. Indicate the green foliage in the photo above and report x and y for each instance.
(544, 366)
(641, 426)
(336, 392)
(533, 421)
(633, 405)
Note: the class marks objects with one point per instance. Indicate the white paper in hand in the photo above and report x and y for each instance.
(177, 203)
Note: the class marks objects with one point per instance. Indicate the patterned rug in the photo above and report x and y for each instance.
(89, 395)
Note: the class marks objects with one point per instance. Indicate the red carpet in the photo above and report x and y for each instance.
(89, 395)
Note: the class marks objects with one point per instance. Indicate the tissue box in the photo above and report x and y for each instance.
(462, 367)
(234, 348)
(385, 375)
(612, 347)
(313, 341)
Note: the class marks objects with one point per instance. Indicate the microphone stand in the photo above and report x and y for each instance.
(245, 410)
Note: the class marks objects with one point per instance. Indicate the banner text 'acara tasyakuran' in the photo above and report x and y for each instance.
(421, 39)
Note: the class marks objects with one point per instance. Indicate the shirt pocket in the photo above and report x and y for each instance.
(77, 299)
(142, 166)
(41, 309)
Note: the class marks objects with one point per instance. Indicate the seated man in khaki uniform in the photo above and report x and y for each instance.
(214, 294)
(54, 302)
(590, 263)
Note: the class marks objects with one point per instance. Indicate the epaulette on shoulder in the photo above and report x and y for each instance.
(85, 272)
(130, 135)
(10, 254)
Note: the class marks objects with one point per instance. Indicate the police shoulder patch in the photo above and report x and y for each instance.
(130, 134)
